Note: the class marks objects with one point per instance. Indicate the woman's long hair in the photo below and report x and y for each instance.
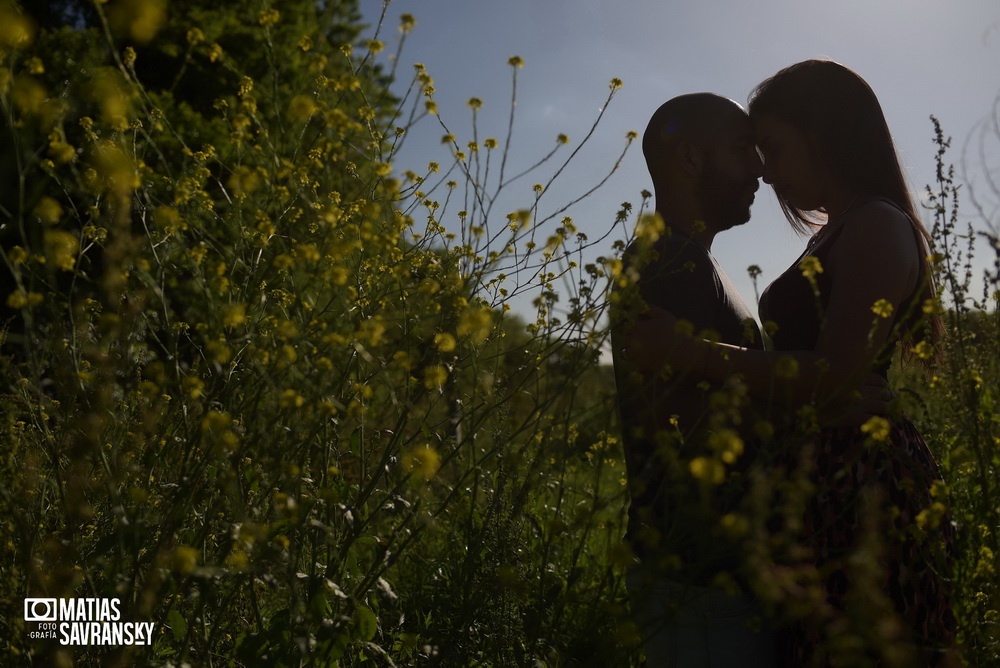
(839, 113)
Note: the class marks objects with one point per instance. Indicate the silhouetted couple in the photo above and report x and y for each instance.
(775, 497)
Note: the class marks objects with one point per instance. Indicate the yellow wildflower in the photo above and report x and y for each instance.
(139, 19)
(728, 444)
(269, 17)
(235, 315)
(877, 428)
(649, 228)
(445, 342)
(113, 169)
(435, 376)
(48, 211)
(61, 248)
(216, 421)
(923, 350)
(707, 470)
(476, 323)
(28, 95)
(371, 331)
(109, 90)
(786, 367)
(244, 180)
(237, 560)
(422, 461)
(184, 559)
(291, 399)
(930, 518)
(16, 29)
(195, 387)
(168, 218)
(308, 252)
(17, 299)
(60, 151)
(519, 219)
(931, 306)
(302, 107)
(735, 524)
(882, 308)
(810, 266)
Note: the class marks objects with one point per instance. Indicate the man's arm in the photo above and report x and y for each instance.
(658, 340)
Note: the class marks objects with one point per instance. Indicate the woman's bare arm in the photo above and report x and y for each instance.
(876, 260)
(783, 380)
(874, 268)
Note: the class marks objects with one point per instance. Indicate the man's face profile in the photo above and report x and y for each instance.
(729, 178)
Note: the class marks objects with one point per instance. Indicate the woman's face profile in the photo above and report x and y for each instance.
(789, 165)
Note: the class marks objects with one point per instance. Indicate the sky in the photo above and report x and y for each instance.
(921, 57)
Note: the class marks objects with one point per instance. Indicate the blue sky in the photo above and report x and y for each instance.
(921, 57)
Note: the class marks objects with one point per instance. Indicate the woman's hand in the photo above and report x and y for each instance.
(855, 408)
(653, 343)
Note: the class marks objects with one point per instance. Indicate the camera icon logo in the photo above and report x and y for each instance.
(40, 610)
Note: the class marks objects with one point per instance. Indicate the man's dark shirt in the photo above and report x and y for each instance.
(671, 516)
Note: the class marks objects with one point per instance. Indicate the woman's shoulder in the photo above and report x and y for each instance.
(878, 218)
(881, 209)
(881, 228)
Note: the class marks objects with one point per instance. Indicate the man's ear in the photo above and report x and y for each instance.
(691, 158)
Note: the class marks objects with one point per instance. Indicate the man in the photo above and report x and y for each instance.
(686, 443)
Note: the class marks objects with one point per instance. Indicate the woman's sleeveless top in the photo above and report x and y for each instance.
(797, 304)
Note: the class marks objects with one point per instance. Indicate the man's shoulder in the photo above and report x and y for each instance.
(670, 254)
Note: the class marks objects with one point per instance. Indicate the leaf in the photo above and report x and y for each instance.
(365, 623)
(177, 624)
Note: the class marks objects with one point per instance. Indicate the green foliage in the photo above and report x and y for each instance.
(958, 409)
(247, 393)
(271, 393)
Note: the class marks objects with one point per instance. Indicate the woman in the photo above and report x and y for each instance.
(860, 288)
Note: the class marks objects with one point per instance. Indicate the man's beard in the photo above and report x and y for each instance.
(723, 201)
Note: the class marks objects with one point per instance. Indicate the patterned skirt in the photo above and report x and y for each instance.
(882, 544)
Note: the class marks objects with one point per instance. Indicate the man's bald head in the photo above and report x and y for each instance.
(701, 156)
(696, 118)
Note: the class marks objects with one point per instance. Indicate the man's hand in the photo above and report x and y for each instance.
(855, 408)
(644, 344)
